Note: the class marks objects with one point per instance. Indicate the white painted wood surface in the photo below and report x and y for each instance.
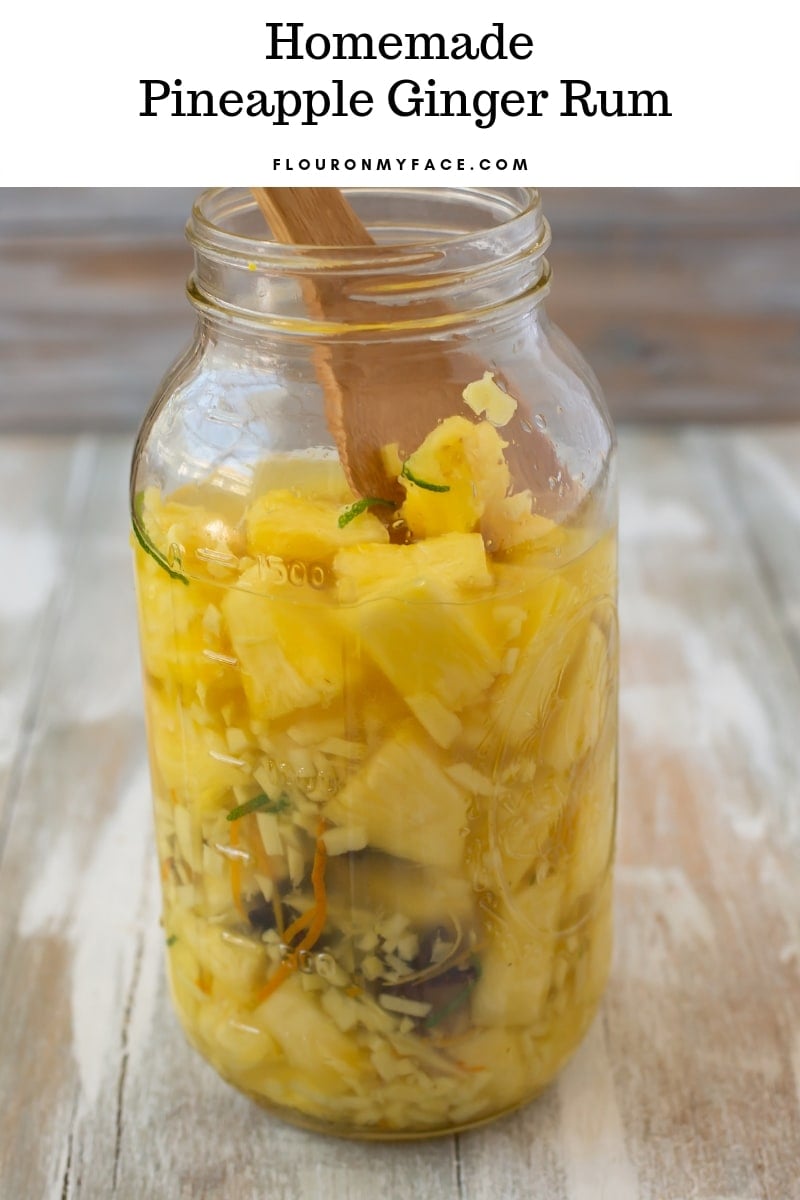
(688, 1085)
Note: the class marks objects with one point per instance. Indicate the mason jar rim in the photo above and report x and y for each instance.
(521, 226)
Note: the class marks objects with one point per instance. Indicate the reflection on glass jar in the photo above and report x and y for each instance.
(382, 728)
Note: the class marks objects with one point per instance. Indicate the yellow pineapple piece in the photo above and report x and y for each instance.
(498, 1054)
(594, 569)
(590, 835)
(512, 834)
(384, 885)
(467, 459)
(323, 1059)
(235, 966)
(194, 538)
(406, 803)
(517, 965)
(510, 523)
(315, 478)
(291, 654)
(231, 1037)
(297, 527)
(444, 569)
(521, 702)
(192, 760)
(486, 396)
(181, 631)
(414, 622)
(583, 696)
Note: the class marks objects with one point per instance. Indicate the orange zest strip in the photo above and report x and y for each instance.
(320, 895)
(277, 908)
(283, 972)
(297, 926)
(315, 918)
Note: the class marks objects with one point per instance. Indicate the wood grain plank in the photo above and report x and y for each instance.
(704, 1013)
(42, 489)
(685, 301)
(704, 211)
(576, 210)
(88, 326)
(49, 211)
(764, 481)
(686, 329)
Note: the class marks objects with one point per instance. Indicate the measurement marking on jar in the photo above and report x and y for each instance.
(226, 758)
(274, 569)
(215, 656)
(221, 557)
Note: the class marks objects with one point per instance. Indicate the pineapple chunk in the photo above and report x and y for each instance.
(442, 569)
(500, 1054)
(517, 967)
(429, 649)
(206, 538)
(384, 885)
(292, 655)
(414, 623)
(510, 523)
(406, 803)
(320, 478)
(485, 396)
(522, 700)
(236, 965)
(583, 695)
(591, 843)
(323, 1058)
(437, 720)
(292, 526)
(232, 1039)
(180, 643)
(191, 759)
(592, 570)
(512, 835)
(465, 458)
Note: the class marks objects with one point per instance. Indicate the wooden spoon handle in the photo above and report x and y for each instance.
(382, 392)
(311, 217)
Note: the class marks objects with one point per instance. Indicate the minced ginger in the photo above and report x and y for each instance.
(384, 776)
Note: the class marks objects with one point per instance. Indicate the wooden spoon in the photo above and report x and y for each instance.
(381, 391)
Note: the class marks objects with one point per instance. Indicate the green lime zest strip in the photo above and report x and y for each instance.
(423, 483)
(259, 803)
(354, 510)
(146, 544)
(460, 997)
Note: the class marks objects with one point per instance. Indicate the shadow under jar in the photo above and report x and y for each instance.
(382, 729)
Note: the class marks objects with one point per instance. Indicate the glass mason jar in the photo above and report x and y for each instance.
(382, 726)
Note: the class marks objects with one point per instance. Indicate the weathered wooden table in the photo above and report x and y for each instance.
(688, 1085)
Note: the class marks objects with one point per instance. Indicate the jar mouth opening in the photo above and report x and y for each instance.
(419, 228)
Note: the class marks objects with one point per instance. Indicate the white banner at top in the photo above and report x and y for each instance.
(614, 94)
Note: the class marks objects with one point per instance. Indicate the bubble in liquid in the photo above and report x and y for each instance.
(540, 422)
